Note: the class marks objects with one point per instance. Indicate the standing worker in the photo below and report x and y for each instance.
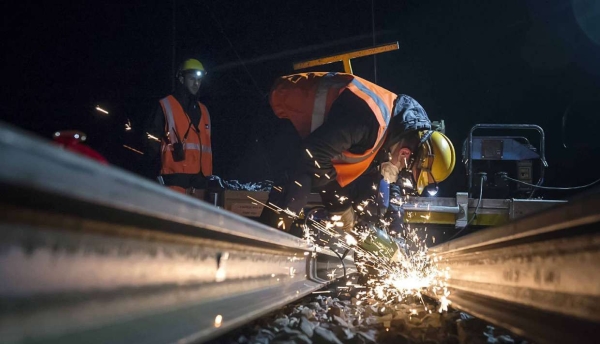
(357, 139)
(182, 125)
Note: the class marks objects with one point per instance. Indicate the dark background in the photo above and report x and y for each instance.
(467, 62)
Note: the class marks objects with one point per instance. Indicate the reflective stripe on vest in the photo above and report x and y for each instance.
(205, 139)
(350, 166)
(385, 112)
(383, 117)
(170, 119)
(195, 146)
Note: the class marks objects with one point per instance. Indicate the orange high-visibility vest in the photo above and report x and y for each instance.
(305, 99)
(198, 151)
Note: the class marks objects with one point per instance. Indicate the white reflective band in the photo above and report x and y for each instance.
(352, 160)
(206, 149)
(170, 119)
(193, 146)
(376, 99)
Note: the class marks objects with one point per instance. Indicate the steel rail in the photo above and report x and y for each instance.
(537, 276)
(91, 253)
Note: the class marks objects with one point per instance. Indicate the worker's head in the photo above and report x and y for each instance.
(190, 74)
(422, 159)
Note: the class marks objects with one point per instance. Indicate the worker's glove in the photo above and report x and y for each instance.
(389, 172)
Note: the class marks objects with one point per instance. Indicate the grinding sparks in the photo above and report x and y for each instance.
(152, 137)
(411, 273)
(281, 224)
(133, 149)
(350, 240)
(99, 109)
(331, 274)
(444, 302)
(393, 272)
(310, 155)
(407, 273)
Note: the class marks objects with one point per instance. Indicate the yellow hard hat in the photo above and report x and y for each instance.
(192, 65)
(436, 159)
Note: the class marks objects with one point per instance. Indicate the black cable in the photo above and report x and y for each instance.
(551, 187)
(342, 260)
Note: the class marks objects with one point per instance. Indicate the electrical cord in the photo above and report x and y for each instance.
(550, 187)
(483, 178)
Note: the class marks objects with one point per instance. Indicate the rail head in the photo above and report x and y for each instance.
(33, 165)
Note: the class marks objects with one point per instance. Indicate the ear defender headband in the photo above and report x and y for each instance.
(424, 164)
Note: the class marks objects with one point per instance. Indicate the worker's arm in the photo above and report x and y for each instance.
(395, 213)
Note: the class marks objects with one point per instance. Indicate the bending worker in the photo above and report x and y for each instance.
(182, 125)
(357, 139)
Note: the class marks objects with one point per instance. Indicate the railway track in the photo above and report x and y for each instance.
(94, 254)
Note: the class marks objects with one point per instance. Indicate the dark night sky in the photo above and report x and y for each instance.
(466, 62)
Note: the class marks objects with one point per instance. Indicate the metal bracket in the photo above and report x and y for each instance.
(462, 201)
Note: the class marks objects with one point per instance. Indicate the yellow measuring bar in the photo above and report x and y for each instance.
(346, 57)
